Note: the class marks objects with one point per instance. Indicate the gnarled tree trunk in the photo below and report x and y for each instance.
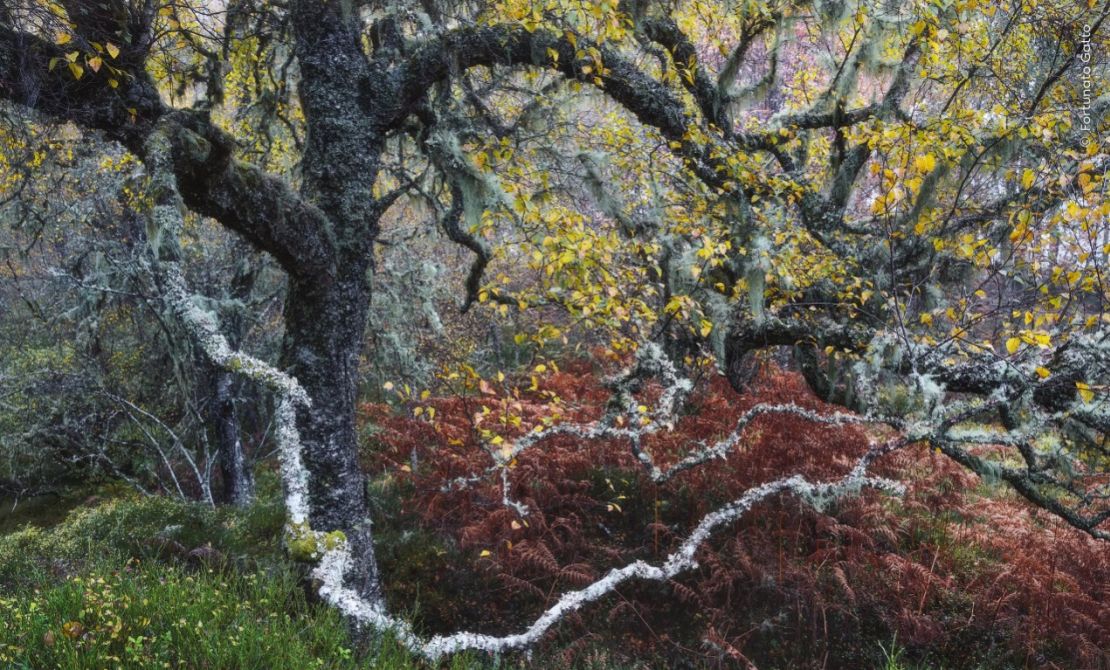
(324, 333)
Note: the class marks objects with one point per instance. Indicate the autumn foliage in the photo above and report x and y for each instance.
(958, 571)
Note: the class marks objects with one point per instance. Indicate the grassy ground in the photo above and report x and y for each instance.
(114, 586)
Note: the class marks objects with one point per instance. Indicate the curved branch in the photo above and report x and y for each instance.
(240, 196)
(482, 254)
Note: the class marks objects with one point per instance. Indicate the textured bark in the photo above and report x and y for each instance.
(235, 468)
(325, 324)
(235, 473)
(325, 315)
(808, 338)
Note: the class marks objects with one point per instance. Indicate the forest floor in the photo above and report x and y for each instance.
(959, 573)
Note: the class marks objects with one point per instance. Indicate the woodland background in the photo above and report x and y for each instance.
(896, 212)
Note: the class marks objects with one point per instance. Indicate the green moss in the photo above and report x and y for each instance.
(302, 543)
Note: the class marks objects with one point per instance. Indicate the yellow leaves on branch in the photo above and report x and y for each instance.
(926, 163)
(1036, 338)
(93, 59)
(1027, 178)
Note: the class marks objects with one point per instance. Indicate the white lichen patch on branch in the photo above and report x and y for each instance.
(167, 219)
(331, 568)
(627, 419)
(722, 448)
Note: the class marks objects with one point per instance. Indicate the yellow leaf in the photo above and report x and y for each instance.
(112, 49)
(1085, 391)
(95, 63)
(61, 38)
(925, 163)
(1027, 178)
(1013, 344)
(77, 70)
(1085, 182)
(1042, 372)
(485, 552)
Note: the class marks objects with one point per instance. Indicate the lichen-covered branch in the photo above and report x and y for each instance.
(626, 419)
(167, 217)
(683, 559)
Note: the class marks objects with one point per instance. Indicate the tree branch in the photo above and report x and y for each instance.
(240, 196)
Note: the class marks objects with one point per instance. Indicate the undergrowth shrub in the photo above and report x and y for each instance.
(155, 583)
(142, 527)
(960, 573)
(151, 615)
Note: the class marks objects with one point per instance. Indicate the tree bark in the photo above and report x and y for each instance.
(325, 323)
(235, 471)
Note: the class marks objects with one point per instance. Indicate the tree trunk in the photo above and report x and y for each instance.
(325, 323)
(235, 472)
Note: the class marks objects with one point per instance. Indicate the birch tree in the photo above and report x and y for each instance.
(909, 195)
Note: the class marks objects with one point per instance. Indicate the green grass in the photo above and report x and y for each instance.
(159, 616)
(99, 590)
